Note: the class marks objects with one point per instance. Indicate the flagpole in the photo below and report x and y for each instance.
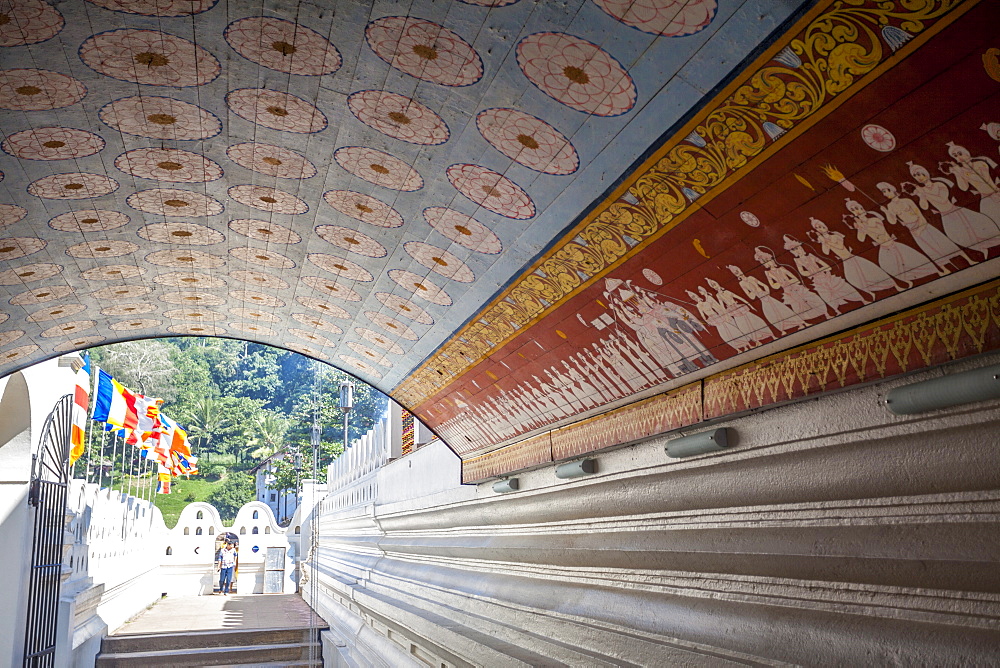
(114, 457)
(90, 418)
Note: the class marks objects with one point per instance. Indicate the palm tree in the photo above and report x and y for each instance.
(204, 418)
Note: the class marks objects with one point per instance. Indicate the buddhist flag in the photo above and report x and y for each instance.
(113, 403)
(163, 476)
(81, 405)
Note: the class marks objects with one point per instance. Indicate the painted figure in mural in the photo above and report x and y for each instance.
(753, 328)
(863, 274)
(936, 245)
(898, 259)
(966, 228)
(776, 313)
(609, 353)
(805, 303)
(665, 329)
(993, 130)
(833, 289)
(974, 173)
(713, 314)
(578, 380)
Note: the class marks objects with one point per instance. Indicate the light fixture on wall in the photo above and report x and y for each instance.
(504, 486)
(952, 390)
(576, 469)
(699, 444)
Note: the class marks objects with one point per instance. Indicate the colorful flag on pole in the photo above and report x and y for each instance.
(81, 405)
(113, 403)
(163, 477)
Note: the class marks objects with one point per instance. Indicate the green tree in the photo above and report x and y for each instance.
(204, 419)
(145, 366)
(237, 489)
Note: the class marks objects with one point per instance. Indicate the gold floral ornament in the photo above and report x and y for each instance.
(37, 90)
(160, 118)
(52, 143)
(149, 57)
(168, 164)
(407, 308)
(283, 46)
(77, 185)
(28, 22)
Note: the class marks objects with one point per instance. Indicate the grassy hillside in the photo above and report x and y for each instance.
(182, 492)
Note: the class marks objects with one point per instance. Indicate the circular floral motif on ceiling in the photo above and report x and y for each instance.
(341, 267)
(76, 185)
(878, 138)
(28, 273)
(28, 22)
(128, 309)
(351, 240)
(271, 160)
(135, 324)
(370, 355)
(264, 258)
(254, 297)
(78, 344)
(490, 3)
(68, 328)
(462, 229)
(420, 286)
(168, 164)
(41, 295)
(193, 298)
(308, 351)
(332, 287)
(278, 111)
(528, 140)
(379, 168)
(56, 312)
(425, 50)
(254, 314)
(404, 307)
(10, 336)
(160, 118)
(112, 272)
(119, 292)
(263, 230)
(11, 213)
(181, 233)
(252, 328)
(12, 248)
(324, 306)
(398, 117)
(186, 258)
(578, 73)
(259, 279)
(491, 190)
(198, 329)
(317, 322)
(362, 207)
(14, 354)
(283, 46)
(671, 18)
(268, 199)
(391, 325)
(165, 8)
(439, 261)
(379, 340)
(89, 220)
(37, 90)
(361, 366)
(101, 249)
(184, 279)
(149, 57)
(311, 337)
(52, 143)
(172, 202)
(199, 314)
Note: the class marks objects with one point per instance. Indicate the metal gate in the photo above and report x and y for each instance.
(47, 495)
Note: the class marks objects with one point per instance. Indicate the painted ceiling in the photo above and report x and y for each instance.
(507, 214)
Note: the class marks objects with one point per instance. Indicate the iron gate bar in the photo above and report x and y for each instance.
(47, 495)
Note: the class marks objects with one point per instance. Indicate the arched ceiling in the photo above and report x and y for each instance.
(505, 213)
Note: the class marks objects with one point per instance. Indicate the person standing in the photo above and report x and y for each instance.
(226, 565)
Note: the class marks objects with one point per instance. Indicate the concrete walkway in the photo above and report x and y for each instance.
(203, 613)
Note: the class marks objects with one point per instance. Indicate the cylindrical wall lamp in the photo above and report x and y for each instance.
(576, 469)
(504, 486)
(699, 444)
(951, 390)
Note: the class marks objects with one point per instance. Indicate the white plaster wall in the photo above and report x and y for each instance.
(831, 532)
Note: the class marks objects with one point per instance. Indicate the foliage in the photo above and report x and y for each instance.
(215, 472)
(229, 496)
(146, 366)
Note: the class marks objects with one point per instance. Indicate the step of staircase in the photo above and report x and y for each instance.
(243, 647)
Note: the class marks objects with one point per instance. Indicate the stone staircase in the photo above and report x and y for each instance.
(233, 648)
